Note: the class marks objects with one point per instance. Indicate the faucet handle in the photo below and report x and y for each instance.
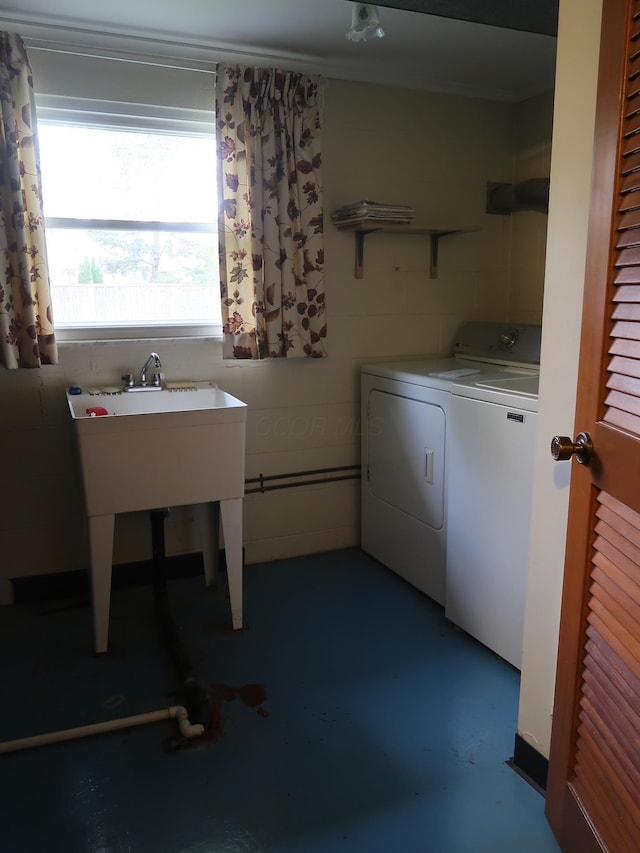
(127, 378)
(157, 380)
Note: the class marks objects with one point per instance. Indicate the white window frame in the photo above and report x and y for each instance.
(81, 112)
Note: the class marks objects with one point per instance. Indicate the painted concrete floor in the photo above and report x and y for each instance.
(353, 717)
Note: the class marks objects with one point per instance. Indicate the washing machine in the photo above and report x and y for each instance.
(406, 446)
(490, 481)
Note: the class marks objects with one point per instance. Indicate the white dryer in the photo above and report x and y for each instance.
(406, 444)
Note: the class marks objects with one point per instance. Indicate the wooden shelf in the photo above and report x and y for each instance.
(362, 227)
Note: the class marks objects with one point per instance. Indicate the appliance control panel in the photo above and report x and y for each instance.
(500, 343)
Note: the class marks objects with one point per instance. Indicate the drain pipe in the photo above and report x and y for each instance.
(200, 705)
(175, 712)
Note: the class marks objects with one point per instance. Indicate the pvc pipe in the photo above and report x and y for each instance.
(175, 712)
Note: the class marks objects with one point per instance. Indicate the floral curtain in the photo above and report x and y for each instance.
(270, 214)
(26, 325)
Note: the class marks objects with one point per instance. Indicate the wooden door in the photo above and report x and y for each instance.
(593, 793)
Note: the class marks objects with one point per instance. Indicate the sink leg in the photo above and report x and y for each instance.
(209, 517)
(231, 511)
(101, 550)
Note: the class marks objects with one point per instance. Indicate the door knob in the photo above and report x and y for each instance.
(563, 448)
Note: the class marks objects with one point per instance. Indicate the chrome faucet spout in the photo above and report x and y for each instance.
(154, 359)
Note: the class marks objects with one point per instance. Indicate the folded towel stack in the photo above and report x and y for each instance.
(373, 210)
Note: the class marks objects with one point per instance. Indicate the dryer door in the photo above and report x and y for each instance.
(405, 465)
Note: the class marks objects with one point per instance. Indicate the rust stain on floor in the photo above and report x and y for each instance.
(252, 695)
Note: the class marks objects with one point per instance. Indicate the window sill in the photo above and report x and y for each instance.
(121, 334)
(149, 339)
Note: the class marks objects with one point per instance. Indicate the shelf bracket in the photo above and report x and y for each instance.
(360, 235)
(433, 263)
(434, 239)
(360, 231)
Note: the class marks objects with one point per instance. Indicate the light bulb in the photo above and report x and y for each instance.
(365, 23)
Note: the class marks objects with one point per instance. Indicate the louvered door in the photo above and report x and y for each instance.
(593, 794)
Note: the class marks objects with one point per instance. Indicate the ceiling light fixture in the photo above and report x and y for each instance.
(365, 23)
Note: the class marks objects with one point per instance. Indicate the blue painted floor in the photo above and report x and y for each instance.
(367, 723)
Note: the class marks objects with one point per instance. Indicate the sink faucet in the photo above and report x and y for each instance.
(154, 359)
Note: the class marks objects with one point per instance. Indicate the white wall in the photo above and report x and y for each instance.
(435, 152)
(566, 246)
(532, 159)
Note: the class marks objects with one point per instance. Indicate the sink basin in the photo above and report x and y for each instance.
(165, 448)
(156, 450)
(158, 402)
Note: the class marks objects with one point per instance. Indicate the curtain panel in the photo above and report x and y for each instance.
(26, 323)
(268, 126)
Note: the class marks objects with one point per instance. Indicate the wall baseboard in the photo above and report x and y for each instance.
(36, 589)
(530, 764)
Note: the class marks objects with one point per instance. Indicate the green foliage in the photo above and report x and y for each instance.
(89, 271)
(96, 272)
(84, 272)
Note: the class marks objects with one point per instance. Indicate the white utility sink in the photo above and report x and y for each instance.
(152, 401)
(157, 449)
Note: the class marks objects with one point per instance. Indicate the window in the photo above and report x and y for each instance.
(131, 219)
